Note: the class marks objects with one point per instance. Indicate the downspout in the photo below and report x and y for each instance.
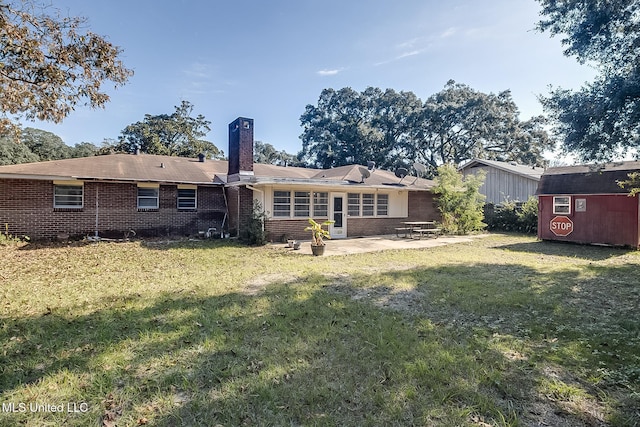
(97, 206)
(226, 213)
(261, 192)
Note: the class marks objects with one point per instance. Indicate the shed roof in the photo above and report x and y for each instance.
(512, 167)
(587, 179)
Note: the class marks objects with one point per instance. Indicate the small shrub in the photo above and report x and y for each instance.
(459, 200)
(511, 216)
(254, 234)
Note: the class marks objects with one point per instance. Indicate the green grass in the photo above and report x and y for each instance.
(504, 331)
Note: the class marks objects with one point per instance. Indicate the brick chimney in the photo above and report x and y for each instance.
(240, 149)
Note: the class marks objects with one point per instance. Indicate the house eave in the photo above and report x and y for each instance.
(100, 179)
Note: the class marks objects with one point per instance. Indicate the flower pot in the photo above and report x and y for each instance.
(317, 250)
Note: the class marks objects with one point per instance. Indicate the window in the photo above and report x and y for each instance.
(281, 203)
(321, 205)
(68, 196)
(368, 204)
(302, 202)
(148, 197)
(187, 198)
(561, 204)
(353, 204)
(383, 205)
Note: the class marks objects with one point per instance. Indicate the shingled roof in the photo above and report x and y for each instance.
(587, 179)
(176, 170)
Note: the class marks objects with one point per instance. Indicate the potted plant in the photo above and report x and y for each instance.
(318, 235)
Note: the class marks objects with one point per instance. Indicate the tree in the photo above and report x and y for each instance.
(459, 200)
(396, 128)
(177, 134)
(460, 123)
(45, 145)
(602, 119)
(267, 154)
(49, 64)
(84, 149)
(12, 153)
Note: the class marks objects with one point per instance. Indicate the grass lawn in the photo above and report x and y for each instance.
(504, 330)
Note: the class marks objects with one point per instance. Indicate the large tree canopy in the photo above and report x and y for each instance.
(459, 123)
(602, 119)
(49, 63)
(394, 128)
(177, 134)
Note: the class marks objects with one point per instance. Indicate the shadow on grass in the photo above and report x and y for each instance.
(304, 355)
(568, 249)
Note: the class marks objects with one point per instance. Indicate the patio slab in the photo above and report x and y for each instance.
(357, 245)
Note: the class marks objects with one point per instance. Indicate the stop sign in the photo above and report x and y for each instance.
(561, 225)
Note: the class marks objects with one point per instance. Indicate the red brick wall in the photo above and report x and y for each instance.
(287, 229)
(27, 207)
(423, 207)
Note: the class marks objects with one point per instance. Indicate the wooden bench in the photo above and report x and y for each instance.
(428, 231)
(405, 230)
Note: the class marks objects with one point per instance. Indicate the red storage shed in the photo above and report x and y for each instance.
(585, 204)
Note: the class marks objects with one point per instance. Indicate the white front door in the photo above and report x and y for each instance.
(338, 213)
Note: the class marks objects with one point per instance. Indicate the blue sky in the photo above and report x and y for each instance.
(268, 59)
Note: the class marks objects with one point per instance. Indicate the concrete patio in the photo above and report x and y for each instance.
(357, 245)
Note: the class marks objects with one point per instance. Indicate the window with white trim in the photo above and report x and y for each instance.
(368, 204)
(281, 204)
(353, 204)
(320, 205)
(382, 208)
(148, 197)
(301, 204)
(187, 198)
(68, 196)
(562, 205)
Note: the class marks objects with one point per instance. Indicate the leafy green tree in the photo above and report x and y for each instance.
(459, 200)
(177, 134)
(49, 63)
(392, 128)
(46, 145)
(348, 127)
(460, 123)
(602, 119)
(84, 149)
(266, 153)
(12, 153)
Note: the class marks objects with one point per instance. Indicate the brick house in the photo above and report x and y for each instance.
(159, 195)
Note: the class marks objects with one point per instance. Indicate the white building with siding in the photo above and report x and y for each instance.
(505, 181)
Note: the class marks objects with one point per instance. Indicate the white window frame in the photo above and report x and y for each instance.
(351, 205)
(368, 205)
(384, 205)
(277, 202)
(562, 205)
(156, 196)
(301, 204)
(190, 200)
(296, 204)
(59, 196)
(320, 204)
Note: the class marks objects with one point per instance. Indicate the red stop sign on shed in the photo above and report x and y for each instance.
(561, 225)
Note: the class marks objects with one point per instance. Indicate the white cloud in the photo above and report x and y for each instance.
(406, 54)
(448, 32)
(328, 72)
